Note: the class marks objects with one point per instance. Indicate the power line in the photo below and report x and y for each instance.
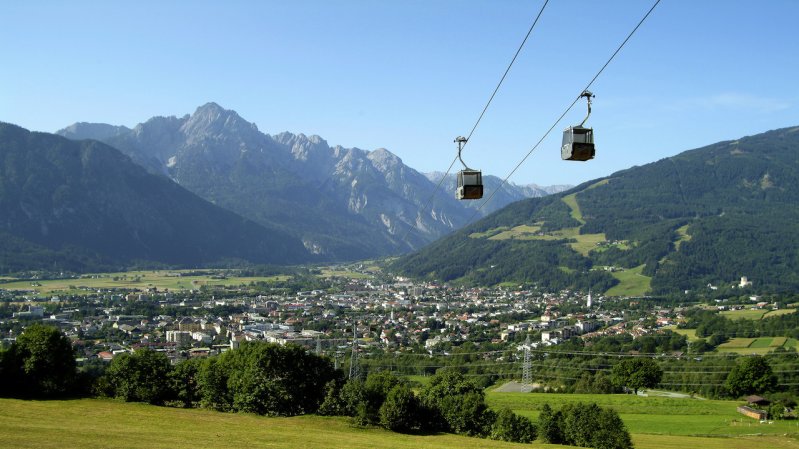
(480, 118)
(504, 181)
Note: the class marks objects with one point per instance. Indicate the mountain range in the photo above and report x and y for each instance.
(692, 222)
(82, 205)
(342, 203)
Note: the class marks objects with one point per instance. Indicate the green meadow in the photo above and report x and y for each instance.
(745, 314)
(690, 334)
(754, 314)
(328, 273)
(682, 236)
(655, 423)
(631, 282)
(160, 279)
(668, 422)
(93, 423)
(760, 346)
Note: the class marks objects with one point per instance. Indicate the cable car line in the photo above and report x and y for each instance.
(507, 70)
(590, 83)
(480, 118)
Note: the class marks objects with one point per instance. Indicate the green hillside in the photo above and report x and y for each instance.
(103, 423)
(709, 215)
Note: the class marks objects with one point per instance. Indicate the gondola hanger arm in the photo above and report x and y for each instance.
(461, 141)
(588, 96)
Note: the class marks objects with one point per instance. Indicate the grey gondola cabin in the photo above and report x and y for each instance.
(578, 144)
(470, 185)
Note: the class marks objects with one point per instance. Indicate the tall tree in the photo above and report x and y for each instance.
(460, 403)
(139, 377)
(40, 364)
(752, 375)
(549, 430)
(399, 412)
(513, 428)
(265, 379)
(636, 373)
(589, 425)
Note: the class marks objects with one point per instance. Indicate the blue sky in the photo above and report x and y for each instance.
(412, 75)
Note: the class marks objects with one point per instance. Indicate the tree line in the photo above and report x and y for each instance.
(273, 380)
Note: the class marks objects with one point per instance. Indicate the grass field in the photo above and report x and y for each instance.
(779, 312)
(745, 314)
(583, 243)
(631, 283)
(690, 334)
(586, 243)
(650, 419)
(162, 279)
(762, 343)
(754, 314)
(489, 233)
(759, 346)
(522, 232)
(328, 273)
(682, 232)
(571, 201)
(94, 423)
(103, 423)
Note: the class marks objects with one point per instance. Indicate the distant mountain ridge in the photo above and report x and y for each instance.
(708, 216)
(83, 205)
(343, 203)
(504, 194)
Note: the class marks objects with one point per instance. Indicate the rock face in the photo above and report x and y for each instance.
(343, 203)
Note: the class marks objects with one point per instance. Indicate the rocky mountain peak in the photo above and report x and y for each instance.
(98, 131)
(212, 120)
(303, 147)
(384, 160)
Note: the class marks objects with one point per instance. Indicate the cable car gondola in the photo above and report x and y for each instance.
(578, 141)
(470, 182)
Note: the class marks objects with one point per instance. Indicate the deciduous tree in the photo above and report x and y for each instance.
(636, 373)
(512, 427)
(399, 412)
(751, 375)
(40, 364)
(139, 377)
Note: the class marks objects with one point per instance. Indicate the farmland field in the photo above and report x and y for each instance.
(690, 334)
(778, 312)
(585, 243)
(327, 273)
(762, 342)
(760, 345)
(745, 314)
(651, 419)
(632, 282)
(521, 232)
(754, 314)
(160, 279)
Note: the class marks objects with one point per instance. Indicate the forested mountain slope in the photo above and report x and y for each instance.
(82, 205)
(705, 216)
